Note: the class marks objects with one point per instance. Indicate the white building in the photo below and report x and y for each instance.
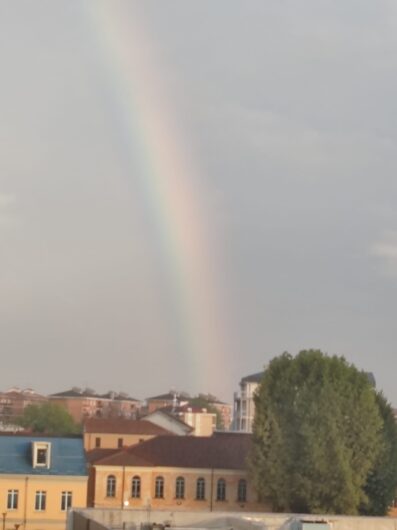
(244, 406)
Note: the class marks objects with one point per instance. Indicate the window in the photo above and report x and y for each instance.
(66, 500)
(97, 442)
(159, 488)
(136, 487)
(41, 454)
(40, 501)
(120, 443)
(200, 489)
(180, 488)
(242, 490)
(12, 500)
(111, 486)
(221, 490)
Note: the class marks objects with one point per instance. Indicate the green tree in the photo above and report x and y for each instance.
(317, 434)
(202, 402)
(48, 418)
(382, 480)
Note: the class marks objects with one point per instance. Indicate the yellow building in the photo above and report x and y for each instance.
(41, 477)
(101, 433)
(176, 473)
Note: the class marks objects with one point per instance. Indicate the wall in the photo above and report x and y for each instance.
(148, 477)
(261, 521)
(110, 441)
(27, 487)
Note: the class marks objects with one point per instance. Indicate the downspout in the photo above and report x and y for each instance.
(212, 489)
(122, 489)
(26, 502)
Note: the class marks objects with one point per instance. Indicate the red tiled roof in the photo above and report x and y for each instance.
(122, 426)
(220, 451)
(98, 454)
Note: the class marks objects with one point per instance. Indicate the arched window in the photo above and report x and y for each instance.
(159, 488)
(242, 490)
(180, 488)
(221, 490)
(136, 487)
(111, 486)
(200, 489)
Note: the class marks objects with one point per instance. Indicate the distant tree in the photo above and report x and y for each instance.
(382, 480)
(202, 402)
(48, 418)
(317, 434)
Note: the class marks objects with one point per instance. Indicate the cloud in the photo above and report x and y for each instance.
(386, 251)
(6, 200)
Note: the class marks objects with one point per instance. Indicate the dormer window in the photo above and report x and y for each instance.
(41, 453)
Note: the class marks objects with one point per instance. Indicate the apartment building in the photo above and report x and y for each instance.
(13, 403)
(82, 404)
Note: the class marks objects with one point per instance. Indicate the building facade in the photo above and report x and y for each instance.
(40, 479)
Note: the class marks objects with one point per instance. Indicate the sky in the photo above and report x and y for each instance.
(188, 189)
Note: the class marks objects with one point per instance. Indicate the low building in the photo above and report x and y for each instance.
(176, 473)
(41, 477)
(117, 433)
(82, 404)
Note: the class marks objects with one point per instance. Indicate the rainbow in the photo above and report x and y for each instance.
(170, 181)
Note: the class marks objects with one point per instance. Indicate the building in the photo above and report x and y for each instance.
(170, 399)
(176, 473)
(244, 406)
(169, 421)
(225, 410)
(116, 433)
(13, 403)
(87, 403)
(41, 477)
(201, 421)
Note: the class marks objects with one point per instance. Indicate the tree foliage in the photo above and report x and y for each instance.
(381, 484)
(48, 418)
(317, 435)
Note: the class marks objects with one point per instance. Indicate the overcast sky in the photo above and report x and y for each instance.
(286, 112)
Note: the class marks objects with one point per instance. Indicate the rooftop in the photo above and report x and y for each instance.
(67, 455)
(253, 378)
(220, 451)
(122, 426)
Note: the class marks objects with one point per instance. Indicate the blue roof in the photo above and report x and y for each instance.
(67, 456)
